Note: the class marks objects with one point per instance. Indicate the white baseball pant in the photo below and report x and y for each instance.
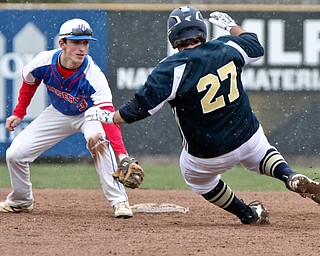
(203, 174)
(44, 132)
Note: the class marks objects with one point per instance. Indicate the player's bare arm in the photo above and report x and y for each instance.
(117, 119)
(12, 122)
(237, 31)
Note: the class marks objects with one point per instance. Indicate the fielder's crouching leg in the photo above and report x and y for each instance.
(105, 163)
(97, 144)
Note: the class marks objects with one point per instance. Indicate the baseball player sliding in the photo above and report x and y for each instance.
(74, 84)
(202, 83)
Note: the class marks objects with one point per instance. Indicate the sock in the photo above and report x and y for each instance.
(274, 165)
(223, 197)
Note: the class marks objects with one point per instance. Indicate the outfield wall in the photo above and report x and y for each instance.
(284, 86)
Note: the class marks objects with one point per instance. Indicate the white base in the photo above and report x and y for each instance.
(151, 207)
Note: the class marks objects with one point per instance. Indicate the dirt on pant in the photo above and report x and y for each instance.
(80, 222)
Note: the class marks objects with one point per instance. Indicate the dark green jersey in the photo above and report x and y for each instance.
(203, 86)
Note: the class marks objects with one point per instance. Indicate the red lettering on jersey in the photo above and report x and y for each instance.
(82, 105)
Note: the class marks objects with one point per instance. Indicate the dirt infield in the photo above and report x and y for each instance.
(79, 222)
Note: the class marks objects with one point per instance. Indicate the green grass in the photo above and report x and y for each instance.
(240, 179)
(84, 176)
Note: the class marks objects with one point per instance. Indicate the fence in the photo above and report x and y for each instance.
(284, 86)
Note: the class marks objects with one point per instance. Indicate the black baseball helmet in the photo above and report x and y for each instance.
(184, 23)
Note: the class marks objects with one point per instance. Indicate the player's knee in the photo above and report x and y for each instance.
(96, 142)
(270, 162)
(93, 140)
(12, 155)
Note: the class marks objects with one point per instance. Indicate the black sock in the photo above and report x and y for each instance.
(282, 172)
(224, 197)
(274, 165)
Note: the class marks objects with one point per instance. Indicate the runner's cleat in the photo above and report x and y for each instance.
(256, 214)
(305, 186)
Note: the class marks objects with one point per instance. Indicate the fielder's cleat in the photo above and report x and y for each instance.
(305, 186)
(122, 210)
(256, 214)
(7, 208)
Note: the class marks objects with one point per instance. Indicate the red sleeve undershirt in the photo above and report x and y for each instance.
(26, 93)
(28, 90)
(114, 134)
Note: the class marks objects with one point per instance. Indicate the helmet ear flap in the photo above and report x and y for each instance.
(185, 23)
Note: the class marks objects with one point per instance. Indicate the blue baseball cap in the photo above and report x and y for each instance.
(76, 29)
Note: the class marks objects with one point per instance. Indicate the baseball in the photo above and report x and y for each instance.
(136, 177)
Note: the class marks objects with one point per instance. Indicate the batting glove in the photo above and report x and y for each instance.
(222, 20)
(97, 114)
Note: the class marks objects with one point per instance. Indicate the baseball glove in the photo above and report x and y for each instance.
(129, 173)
